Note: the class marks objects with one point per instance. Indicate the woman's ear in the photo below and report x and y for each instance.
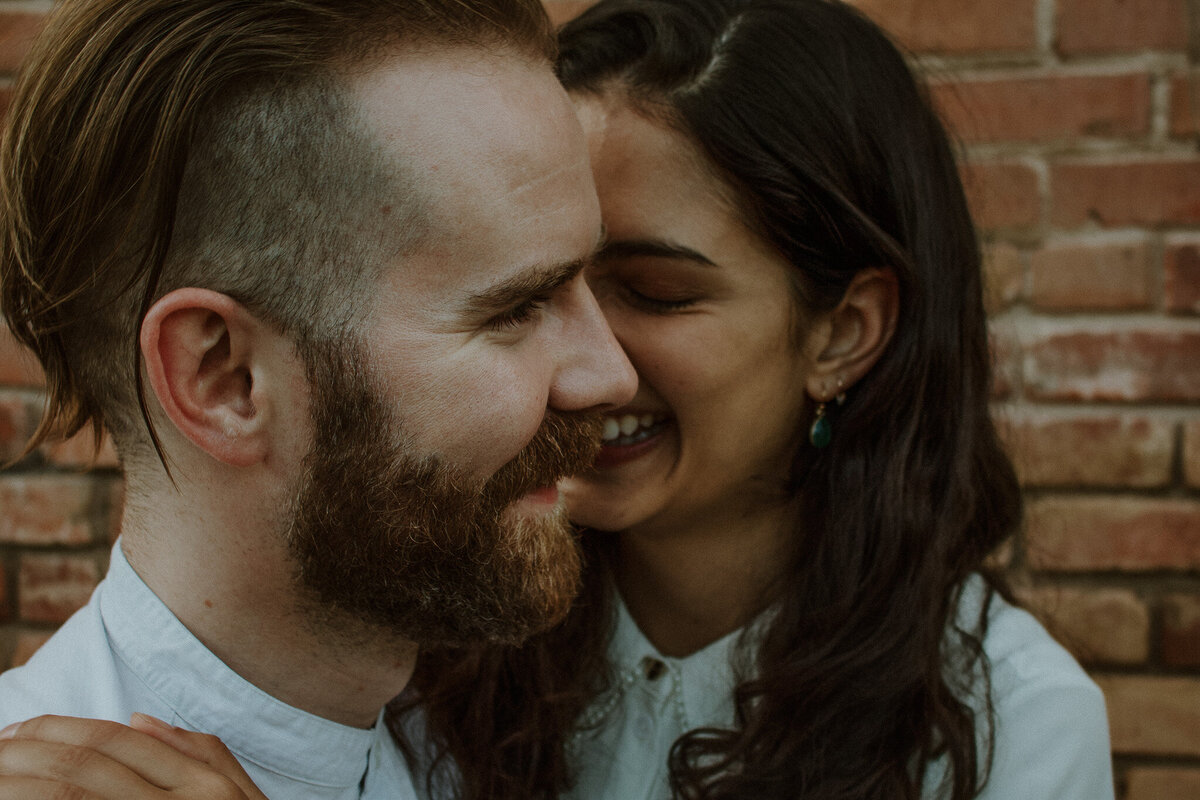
(200, 349)
(847, 341)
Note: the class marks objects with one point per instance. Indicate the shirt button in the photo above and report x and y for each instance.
(652, 668)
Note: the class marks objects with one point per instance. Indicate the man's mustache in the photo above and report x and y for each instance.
(565, 444)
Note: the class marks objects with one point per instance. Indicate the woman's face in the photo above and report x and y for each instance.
(705, 311)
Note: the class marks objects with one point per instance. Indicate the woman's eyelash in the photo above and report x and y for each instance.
(655, 304)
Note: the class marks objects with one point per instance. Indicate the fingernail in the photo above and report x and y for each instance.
(10, 731)
(149, 722)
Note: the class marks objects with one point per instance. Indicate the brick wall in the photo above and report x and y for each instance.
(1080, 121)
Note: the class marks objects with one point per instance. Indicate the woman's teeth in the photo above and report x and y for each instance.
(629, 429)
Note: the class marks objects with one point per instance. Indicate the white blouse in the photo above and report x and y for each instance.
(1050, 740)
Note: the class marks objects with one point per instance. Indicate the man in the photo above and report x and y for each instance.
(316, 266)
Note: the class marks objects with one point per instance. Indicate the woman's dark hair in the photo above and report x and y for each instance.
(811, 115)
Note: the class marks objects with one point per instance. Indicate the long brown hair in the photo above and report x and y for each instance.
(811, 115)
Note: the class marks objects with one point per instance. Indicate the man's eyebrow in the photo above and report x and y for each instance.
(626, 248)
(525, 284)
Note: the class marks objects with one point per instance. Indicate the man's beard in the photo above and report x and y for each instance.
(414, 546)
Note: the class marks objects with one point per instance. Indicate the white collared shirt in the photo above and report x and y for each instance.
(125, 651)
(1051, 738)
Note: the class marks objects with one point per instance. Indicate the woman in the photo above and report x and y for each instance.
(786, 531)
(794, 601)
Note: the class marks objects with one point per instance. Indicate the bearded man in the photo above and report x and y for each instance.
(315, 264)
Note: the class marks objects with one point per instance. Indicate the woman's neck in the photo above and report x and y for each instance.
(687, 588)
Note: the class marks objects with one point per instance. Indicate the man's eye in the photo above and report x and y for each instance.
(518, 315)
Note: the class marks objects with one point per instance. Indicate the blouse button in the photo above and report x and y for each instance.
(652, 668)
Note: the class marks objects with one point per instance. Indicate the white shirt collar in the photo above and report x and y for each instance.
(208, 696)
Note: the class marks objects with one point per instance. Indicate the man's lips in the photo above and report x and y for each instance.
(543, 495)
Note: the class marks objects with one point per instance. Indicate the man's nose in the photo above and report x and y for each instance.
(594, 371)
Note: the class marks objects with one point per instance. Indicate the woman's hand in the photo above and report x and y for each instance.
(54, 758)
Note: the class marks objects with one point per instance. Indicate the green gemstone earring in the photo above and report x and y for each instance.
(821, 431)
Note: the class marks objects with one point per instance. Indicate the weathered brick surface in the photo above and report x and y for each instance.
(1153, 715)
(1097, 625)
(1181, 282)
(1002, 194)
(1181, 630)
(28, 643)
(18, 417)
(1075, 277)
(1111, 26)
(1149, 193)
(957, 26)
(1102, 533)
(1191, 453)
(1046, 108)
(18, 367)
(52, 587)
(47, 509)
(1130, 365)
(1184, 117)
(80, 452)
(1109, 450)
(1162, 783)
(1006, 366)
(1004, 275)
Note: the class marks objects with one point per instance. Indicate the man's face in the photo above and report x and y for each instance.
(413, 545)
(472, 345)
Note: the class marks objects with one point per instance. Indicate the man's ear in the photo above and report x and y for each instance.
(847, 341)
(200, 349)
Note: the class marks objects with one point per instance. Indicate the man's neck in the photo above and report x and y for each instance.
(236, 594)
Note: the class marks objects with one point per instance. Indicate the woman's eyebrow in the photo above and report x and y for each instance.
(624, 248)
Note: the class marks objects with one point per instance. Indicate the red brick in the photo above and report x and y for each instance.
(79, 451)
(1097, 625)
(1106, 26)
(28, 643)
(17, 31)
(1181, 630)
(1002, 195)
(564, 10)
(956, 26)
(1126, 533)
(1191, 453)
(1006, 365)
(1133, 365)
(1004, 275)
(1185, 104)
(52, 587)
(1153, 715)
(1181, 280)
(1148, 193)
(1113, 451)
(18, 417)
(46, 509)
(1046, 108)
(18, 366)
(1082, 277)
(1162, 783)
